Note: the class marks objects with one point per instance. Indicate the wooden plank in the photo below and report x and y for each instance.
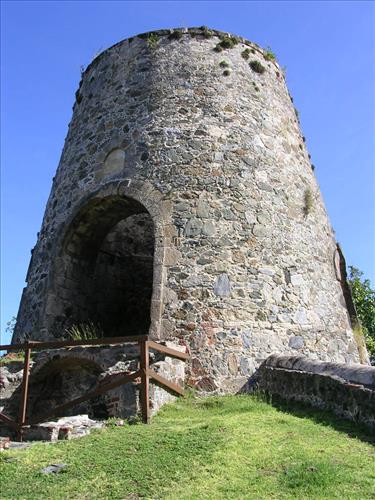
(145, 382)
(165, 383)
(25, 387)
(73, 343)
(99, 390)
(173, 353)
(9, 421)
(13, 347)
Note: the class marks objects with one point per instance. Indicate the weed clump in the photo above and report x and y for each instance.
(152, 41)
(207, 33)
(175, 35)
(245, 54)
(257, 67)
(227, 42)
(224, 64)
(269, 55)
(308, 202)
(84, 331)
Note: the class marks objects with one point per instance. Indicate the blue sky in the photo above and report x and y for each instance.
(328, 49)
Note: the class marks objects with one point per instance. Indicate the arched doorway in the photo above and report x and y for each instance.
(104, 274)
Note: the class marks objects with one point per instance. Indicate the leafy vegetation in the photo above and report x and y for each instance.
(245, 54)
(152, 41)
(207, 33)
(269, 55)
(227, 42)
(216, 448)
(364, 300)
(257, 67)
(175, 35)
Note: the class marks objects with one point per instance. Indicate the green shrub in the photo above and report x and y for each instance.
(227, 42)
(364, 300)
(224, 64)
(257, 67)
(175, 35)
(207, 33)
(245, 54)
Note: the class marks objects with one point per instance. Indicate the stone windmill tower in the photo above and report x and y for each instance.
(185, 207)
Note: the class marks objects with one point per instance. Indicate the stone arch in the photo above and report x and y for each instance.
(71, 278)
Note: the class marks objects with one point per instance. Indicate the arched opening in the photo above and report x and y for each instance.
(58, 381)
(63, 380)
(104, 276)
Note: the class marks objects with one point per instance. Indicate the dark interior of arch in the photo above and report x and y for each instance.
(105, 275)
(63, 380)
(56, 383)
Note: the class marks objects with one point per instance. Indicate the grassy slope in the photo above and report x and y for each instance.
(228, 447)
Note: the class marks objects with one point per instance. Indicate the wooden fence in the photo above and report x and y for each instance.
(144, 373)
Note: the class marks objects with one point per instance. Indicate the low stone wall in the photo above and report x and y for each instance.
(347, 390)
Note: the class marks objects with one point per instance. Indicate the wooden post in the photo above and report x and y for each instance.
(25, 389)
(144, 365)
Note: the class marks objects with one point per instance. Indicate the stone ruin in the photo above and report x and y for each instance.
(61, 375)
(185, 207)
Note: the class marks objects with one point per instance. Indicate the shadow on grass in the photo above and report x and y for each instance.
(322, 417)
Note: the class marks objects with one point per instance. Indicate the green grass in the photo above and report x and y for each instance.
(218, 448)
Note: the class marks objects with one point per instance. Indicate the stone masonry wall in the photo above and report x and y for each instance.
(187, 127)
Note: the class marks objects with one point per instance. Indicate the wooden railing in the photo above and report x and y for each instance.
(144, 373)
